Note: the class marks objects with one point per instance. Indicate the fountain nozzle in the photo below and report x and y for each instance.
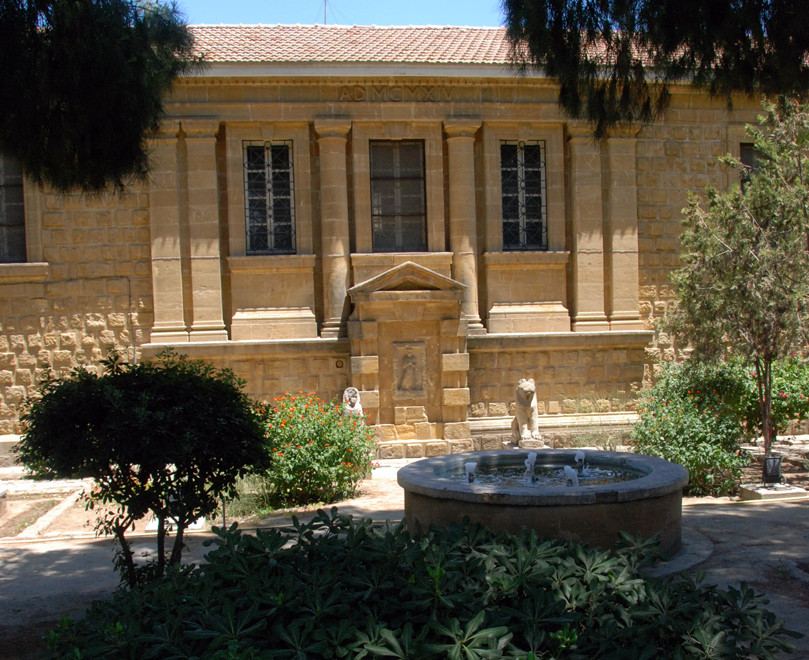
(580, 461)
(530, 463)
(469, 468)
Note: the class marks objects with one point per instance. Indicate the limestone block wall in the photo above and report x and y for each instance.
(85, 289)
(675, 157)
(272, 368)
(598, 373)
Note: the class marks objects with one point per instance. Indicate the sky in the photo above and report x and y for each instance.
(478, 13)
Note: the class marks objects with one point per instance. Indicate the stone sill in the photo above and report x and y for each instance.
(28, 272)
(282, 263)
(558, 340)
(482, 425)
(527, 259)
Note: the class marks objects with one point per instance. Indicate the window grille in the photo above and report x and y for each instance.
(269, 198)
(12, 212)
(748, 155)
(522, 178)
(398, 207)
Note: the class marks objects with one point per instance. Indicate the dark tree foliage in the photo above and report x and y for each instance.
(83, 86)
(616, 59)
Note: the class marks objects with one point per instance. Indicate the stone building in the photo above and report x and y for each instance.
(392, 208)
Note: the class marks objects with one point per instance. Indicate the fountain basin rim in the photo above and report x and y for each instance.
(659, 478)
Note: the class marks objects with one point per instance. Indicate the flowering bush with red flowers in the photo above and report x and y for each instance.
(694, 416)
(317, 455)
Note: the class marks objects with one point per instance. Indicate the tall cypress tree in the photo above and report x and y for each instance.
(83, 86)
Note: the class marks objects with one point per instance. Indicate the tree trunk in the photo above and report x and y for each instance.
(126, 556)
(764, 380)
(177, 550)
(161, 545)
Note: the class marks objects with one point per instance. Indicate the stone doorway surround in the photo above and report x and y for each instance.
(409, 361)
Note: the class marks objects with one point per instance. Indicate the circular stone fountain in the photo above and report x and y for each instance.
(646, 505)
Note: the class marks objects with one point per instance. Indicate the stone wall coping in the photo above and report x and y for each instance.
(265, 348)
(495, 342)
(482, 425)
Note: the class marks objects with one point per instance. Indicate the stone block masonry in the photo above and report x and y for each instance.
(86, 291)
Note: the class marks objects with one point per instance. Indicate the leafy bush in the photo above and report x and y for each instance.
(345, 589)
(790, 391)
(694, 415)
(317, 454)
(167, 437)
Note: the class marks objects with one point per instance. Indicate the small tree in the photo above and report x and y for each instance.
(168, 437)
(743, 286)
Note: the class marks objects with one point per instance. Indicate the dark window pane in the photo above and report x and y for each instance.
(522, 180)
(533, 181)
(269, 203)
(382, 159)
(412, 237)
(12, 212)
(280, 157)
(255, 158)
(533, 207)
(511, 234)
(411, 155)
(533, 235)
(511, 208)
(533, 156)
(508, 156)
(281, 210)
(398, 203)
(510, 182)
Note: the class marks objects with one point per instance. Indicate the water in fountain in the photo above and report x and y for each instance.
(530, 467)
(544, 475)
(571, 477)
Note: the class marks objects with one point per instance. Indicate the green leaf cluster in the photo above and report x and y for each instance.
(615, 61)
(168, 437)
(334, 588)
(317, 454)
(84, 85)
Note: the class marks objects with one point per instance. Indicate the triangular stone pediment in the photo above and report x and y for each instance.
(408, 276)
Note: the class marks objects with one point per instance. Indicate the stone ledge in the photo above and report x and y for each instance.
(24, 272)
(771, 492)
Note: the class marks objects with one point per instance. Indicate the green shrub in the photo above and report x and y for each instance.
(167, 437)
(694, 415)
(317, 454)
(348, 590)
(790, 392)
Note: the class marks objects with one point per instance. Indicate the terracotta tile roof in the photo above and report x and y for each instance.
(358, 43)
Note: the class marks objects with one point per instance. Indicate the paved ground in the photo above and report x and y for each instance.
(53, 571)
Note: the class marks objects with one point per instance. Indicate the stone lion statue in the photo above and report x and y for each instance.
(525, 425)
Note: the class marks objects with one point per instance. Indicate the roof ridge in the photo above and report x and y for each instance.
(355, 25)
